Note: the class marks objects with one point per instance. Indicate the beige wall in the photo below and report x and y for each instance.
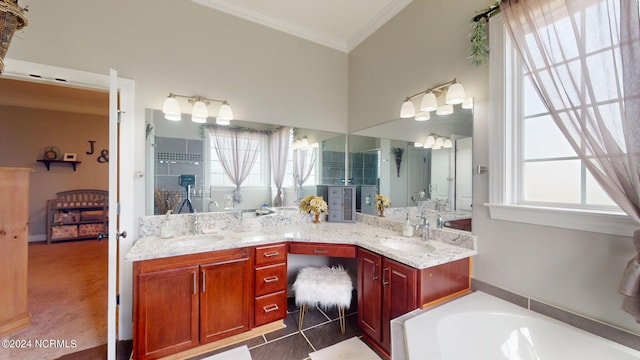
(185, 48)
(178, 46)
(426, 44)
(26, 132)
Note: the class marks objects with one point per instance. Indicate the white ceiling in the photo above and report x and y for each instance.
(339, 24)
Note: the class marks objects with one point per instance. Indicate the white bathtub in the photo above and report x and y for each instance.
(482, 327)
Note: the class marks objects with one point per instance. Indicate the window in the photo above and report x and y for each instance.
(259, 173)
(535, 175)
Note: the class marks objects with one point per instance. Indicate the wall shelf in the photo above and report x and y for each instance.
(48, 163)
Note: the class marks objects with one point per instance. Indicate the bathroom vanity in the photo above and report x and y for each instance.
(192, 290)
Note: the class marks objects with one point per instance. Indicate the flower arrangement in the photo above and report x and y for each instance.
(313, 204)
(382, 202)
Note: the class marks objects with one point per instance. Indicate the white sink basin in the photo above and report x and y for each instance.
(409, 246)
(194, 241)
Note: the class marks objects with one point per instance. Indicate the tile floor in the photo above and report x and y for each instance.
(320, 329)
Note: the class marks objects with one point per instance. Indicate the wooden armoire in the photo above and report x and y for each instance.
(14, 231)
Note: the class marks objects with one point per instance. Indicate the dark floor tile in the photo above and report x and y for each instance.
(96, 353)
(124, 348)
(311, 318)
(332, 312)
(256, 341)
(293, 347)
(329, 333)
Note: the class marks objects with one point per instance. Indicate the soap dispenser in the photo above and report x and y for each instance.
(166, 230)
(407, 230)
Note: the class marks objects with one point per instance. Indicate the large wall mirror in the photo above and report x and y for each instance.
(178, 149)
(422, 172)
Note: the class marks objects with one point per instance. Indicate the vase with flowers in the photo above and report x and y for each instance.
(313, 204)
(382, 202)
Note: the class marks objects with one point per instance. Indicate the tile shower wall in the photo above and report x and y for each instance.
(175, 157)
(363, 168)
(332, 168)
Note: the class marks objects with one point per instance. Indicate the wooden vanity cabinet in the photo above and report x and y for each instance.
(270, 288)
(388, 289)
(184, 301)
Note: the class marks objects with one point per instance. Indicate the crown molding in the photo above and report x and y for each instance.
(343, 45)
(385, 15)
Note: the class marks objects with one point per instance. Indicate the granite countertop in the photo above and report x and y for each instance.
(447, 246)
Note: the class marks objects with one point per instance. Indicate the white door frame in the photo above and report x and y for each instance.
(22, 70)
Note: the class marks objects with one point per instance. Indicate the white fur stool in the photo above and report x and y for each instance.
(325, 287)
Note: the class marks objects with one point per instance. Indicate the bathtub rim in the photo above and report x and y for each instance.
(474, 301)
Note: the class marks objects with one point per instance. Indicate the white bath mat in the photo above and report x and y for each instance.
(239, 353)
(352, 349)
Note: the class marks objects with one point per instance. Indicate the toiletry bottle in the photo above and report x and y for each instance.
(408, 229)
(166, 230)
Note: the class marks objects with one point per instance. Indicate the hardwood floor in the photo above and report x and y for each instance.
(67, 299)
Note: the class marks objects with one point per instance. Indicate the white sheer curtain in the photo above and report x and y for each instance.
(279, 142)
(237, 151)
(305, 161)
(583, 58)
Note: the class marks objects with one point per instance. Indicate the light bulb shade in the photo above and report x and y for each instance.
(171, 109)
(429, 102)
(447, 144)
(430, 141)
(418, 144)
(407, 110)
(468, 103)
(423, 116)
(455, 94)
(225, 115)
(445, 110)
(438, 144)
(199, 112)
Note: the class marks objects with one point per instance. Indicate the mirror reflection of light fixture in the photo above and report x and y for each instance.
(438, 144)
(418, 144)
(199, 112)
(454, 94)
(430, 141)
(447, 144)
(423, 116)
(445, 110)
(467, 104)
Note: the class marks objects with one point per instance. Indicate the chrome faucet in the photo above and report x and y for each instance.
(423, 227)
(212, 202)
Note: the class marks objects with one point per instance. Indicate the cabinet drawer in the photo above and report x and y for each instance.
(270, 308)
(270, 279)
(336, 250)
(336, 215)
(271, 254)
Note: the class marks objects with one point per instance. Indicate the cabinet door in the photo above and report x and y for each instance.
(369, 295)
(166, 312)
(225, 299)
(399, 292)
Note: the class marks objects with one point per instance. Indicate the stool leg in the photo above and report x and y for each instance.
(303, 308)
(342, 319)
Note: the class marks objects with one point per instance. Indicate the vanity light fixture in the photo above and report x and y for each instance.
(467, 104)
(199, 112)
(454, 95)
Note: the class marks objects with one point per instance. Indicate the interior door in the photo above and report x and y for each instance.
(113, 213)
